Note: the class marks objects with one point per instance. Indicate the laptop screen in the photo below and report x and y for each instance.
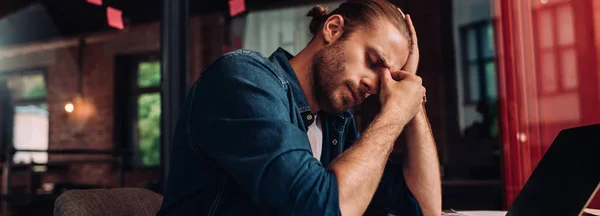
(565, 178)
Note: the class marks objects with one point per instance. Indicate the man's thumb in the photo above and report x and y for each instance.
(400, 75)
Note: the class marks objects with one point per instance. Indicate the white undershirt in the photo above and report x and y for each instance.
(315, 136)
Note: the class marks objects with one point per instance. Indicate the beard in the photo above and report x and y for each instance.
(328, 76)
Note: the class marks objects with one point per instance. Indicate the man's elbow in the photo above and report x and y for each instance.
(436, 212)
(347, 204)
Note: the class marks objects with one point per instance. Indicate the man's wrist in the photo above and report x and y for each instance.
(392, 119)
(420, 118)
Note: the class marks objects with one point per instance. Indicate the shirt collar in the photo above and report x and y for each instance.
(282, 58)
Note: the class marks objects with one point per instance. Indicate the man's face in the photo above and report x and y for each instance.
(347, 71)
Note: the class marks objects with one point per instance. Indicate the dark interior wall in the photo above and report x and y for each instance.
(432, 20)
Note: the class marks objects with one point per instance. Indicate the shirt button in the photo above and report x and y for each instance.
(334, 142)
(309, 117)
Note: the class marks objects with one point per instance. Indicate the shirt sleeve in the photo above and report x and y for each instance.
(241, 119)
(393, 195)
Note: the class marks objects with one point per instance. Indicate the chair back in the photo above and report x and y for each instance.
(114, 202)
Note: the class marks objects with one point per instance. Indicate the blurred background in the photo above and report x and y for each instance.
(90, 89)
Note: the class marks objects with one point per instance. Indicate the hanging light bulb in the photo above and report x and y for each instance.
(69, 107)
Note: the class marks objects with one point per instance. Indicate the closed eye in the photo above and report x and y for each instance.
(372, 64)
(369, 62)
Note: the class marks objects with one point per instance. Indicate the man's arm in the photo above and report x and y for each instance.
(360, 168)
(421, 165)
(240, 119)
(421, 168)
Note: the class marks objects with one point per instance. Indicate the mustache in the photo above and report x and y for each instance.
(359, 91)
(362, 93)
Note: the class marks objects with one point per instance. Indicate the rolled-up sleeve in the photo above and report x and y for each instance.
(393, 195)
(241, 119)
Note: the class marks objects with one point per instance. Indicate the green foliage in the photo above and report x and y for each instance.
(149, 74)
(27, 86)
(149, 128)
(35, 91)
(149, 112)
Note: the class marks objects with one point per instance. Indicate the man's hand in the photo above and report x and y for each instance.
(401, 94)
(421, 166)
(413, 58)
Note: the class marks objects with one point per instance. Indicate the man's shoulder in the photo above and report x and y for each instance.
(245, 63)
(245, 55)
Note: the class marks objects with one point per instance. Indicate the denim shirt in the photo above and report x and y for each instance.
(241, 147)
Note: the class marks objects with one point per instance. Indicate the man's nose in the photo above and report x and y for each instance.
(369, 87)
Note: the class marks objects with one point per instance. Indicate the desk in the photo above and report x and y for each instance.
(587, 211)
(473, 213)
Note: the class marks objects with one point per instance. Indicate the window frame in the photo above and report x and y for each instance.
(25, 72)
(126, 107)
(24, 102)
(480, 60)
(138, 91)
(556, 48)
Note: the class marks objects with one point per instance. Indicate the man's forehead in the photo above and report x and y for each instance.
(392, 57)
(390, 45)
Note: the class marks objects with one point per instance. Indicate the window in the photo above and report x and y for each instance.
(138, 109)
(555, 46)
(148, 109)
(287, 28)
(479, 71)
(27, 95)
(479, 66)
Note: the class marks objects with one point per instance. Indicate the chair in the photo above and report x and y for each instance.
(118, 201)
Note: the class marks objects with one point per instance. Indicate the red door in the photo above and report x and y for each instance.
(548, 79)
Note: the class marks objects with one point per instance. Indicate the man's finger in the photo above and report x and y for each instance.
(401, 13)
(412, 30)
(400, 75)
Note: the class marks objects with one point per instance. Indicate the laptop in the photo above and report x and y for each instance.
(567, 177)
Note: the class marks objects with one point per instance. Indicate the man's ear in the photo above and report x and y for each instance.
(333, 28)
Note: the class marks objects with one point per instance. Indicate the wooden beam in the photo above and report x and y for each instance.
(19, 50)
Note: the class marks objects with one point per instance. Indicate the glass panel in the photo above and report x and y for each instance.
(149, 128)
(474, 89)
(548, 72)
(472, 44)
(545, 29)
(149, 74)
(281, 27)
(488, 41)
(534, 120)
(566, 34)
(569, 69)
(490, 80)
(31, 86)
(30, 131)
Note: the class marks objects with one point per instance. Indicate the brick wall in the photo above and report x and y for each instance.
(92, 127)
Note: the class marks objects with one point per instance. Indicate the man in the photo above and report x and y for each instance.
(273, 136)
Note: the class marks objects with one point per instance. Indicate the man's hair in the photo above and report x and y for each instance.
(360, 14)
